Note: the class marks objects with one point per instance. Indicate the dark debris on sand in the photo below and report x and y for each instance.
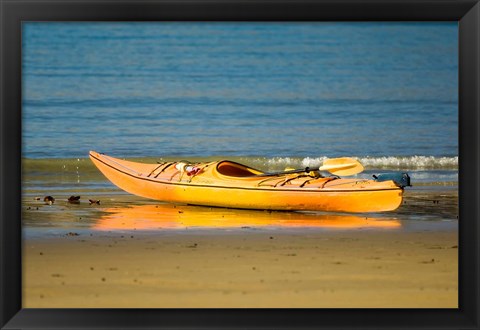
(49, 200)
(74, 199)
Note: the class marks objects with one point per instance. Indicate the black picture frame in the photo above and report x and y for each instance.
(14, 12)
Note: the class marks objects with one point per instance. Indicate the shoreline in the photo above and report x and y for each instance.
(121, 211)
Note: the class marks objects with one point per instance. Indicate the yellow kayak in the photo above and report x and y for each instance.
(230, 184)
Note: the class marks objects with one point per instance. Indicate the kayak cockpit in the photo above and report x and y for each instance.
(229, 168)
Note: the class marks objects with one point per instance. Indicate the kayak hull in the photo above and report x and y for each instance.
(137, 179)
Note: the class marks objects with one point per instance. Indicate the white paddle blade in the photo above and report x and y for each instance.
(344, 166)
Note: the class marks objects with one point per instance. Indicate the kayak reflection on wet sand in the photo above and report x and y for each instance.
(168, 216)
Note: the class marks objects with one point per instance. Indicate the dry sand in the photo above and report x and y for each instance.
(408, 268)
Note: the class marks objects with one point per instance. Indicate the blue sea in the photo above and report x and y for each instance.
(386, 92)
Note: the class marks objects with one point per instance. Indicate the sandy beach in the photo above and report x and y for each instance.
(154, 256)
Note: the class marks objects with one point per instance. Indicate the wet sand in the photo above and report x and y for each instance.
(154, 256)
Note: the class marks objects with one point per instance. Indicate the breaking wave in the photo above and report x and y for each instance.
(388, 162)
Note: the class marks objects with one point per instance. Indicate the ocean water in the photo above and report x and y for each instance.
(384, 92)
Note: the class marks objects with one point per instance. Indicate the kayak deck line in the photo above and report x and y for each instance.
(167, 165)
(156, 168)
(191, 184)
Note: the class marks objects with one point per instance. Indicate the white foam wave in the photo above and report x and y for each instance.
(388, 162)
(413, 162)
